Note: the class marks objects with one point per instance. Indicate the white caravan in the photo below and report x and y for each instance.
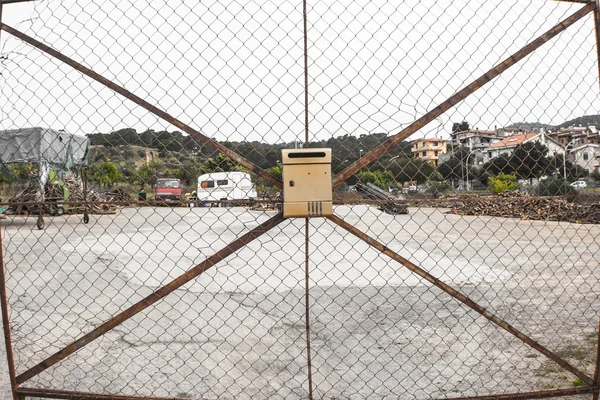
(225, 186)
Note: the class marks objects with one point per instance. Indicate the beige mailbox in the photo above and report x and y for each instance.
(307, 183)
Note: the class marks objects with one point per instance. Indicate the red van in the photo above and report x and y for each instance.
(168, 190)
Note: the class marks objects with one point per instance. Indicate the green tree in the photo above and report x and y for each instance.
(452, 169)
(529, 160)
(276, 171)
(106, 174)
(220, 163)
(378, 178)
(147, 174)
(499, 165)
(460, 126)
(555, 186)
(437, 184)
(406, 169)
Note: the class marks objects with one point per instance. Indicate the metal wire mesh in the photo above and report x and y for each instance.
(461, 259)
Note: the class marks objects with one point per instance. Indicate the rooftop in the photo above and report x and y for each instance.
(514, 140)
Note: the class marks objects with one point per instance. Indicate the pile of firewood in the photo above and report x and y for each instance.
(523, 206)
(101, 202)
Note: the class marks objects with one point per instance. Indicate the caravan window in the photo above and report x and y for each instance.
(207, 184)
(224, 182)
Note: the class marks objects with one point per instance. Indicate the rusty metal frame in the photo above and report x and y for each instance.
(70, 395)
(597, 29)
(20, 393)
(597, 367)
(5, 317)
(63, 394)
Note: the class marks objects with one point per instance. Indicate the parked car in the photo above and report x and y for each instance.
(579, 185)
(168, 190)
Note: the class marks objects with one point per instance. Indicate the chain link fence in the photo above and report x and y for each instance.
(144, 250)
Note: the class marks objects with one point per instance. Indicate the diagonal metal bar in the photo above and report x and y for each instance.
(575, 1)
(143, 103)
(460, 297)
(15, 1)
(374, 154)
(540, 394)
(153, 298)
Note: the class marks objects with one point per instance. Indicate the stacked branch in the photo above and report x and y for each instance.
(525, 207)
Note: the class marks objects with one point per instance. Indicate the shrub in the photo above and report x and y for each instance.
(554, 187)
(503, 183)
(381, 179)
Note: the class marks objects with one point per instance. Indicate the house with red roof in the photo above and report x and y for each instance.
(510, 143)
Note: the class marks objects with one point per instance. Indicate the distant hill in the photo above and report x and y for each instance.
(530, 126)
(586, 120)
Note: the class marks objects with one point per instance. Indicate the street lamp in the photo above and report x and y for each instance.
(565, 157)
(468, 155)
(360, 153)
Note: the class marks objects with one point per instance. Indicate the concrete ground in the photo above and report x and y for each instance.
(238, 331)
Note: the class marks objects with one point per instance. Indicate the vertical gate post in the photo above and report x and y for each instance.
(597, 26)
(3, 300)
(5, 319)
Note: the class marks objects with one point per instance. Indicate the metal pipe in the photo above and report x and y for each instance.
(374, 154)
(144, 104)
(597, 29)
(306, 227)
(71, 395)
(540, 394)
(153, 298)
(460, 297)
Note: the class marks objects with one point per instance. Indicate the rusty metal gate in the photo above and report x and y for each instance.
(125, 296)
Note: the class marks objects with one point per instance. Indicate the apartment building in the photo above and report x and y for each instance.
(429, 149)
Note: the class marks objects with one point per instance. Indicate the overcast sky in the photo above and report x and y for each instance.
(234, 70)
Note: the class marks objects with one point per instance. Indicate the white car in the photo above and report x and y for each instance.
(579, 185)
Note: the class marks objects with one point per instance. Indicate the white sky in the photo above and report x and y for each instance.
(234, 69)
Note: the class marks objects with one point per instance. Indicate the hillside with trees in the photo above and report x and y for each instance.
(126, 156)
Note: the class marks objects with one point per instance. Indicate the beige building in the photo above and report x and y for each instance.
(429, 149)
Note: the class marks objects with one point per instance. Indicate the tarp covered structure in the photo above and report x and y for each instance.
(49, 148)
(60, 150)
